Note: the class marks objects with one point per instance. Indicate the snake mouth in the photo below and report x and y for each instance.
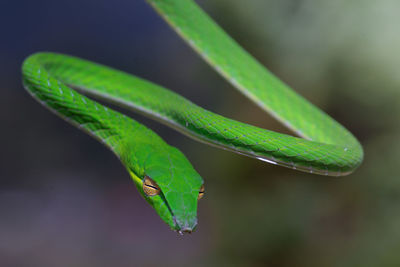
(185, 231)
(186, 227)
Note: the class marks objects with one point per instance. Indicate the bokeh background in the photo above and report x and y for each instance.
(65, 200)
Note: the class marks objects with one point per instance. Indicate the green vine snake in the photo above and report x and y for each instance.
(162, 174)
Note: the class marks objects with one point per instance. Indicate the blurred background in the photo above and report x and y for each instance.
(65, 200)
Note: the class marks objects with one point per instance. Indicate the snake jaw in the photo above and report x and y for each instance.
(182, 232)
(185, 228)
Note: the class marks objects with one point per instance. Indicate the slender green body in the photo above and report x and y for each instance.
(324, 146)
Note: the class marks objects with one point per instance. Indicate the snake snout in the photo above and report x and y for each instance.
(186, 227)
(185, 231)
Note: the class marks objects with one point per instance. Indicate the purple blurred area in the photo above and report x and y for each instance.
(65, 200)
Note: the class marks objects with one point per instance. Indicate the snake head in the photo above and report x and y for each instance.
(169, 183)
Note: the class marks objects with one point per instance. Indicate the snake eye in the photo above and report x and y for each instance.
(201, 192)
(150, 187)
